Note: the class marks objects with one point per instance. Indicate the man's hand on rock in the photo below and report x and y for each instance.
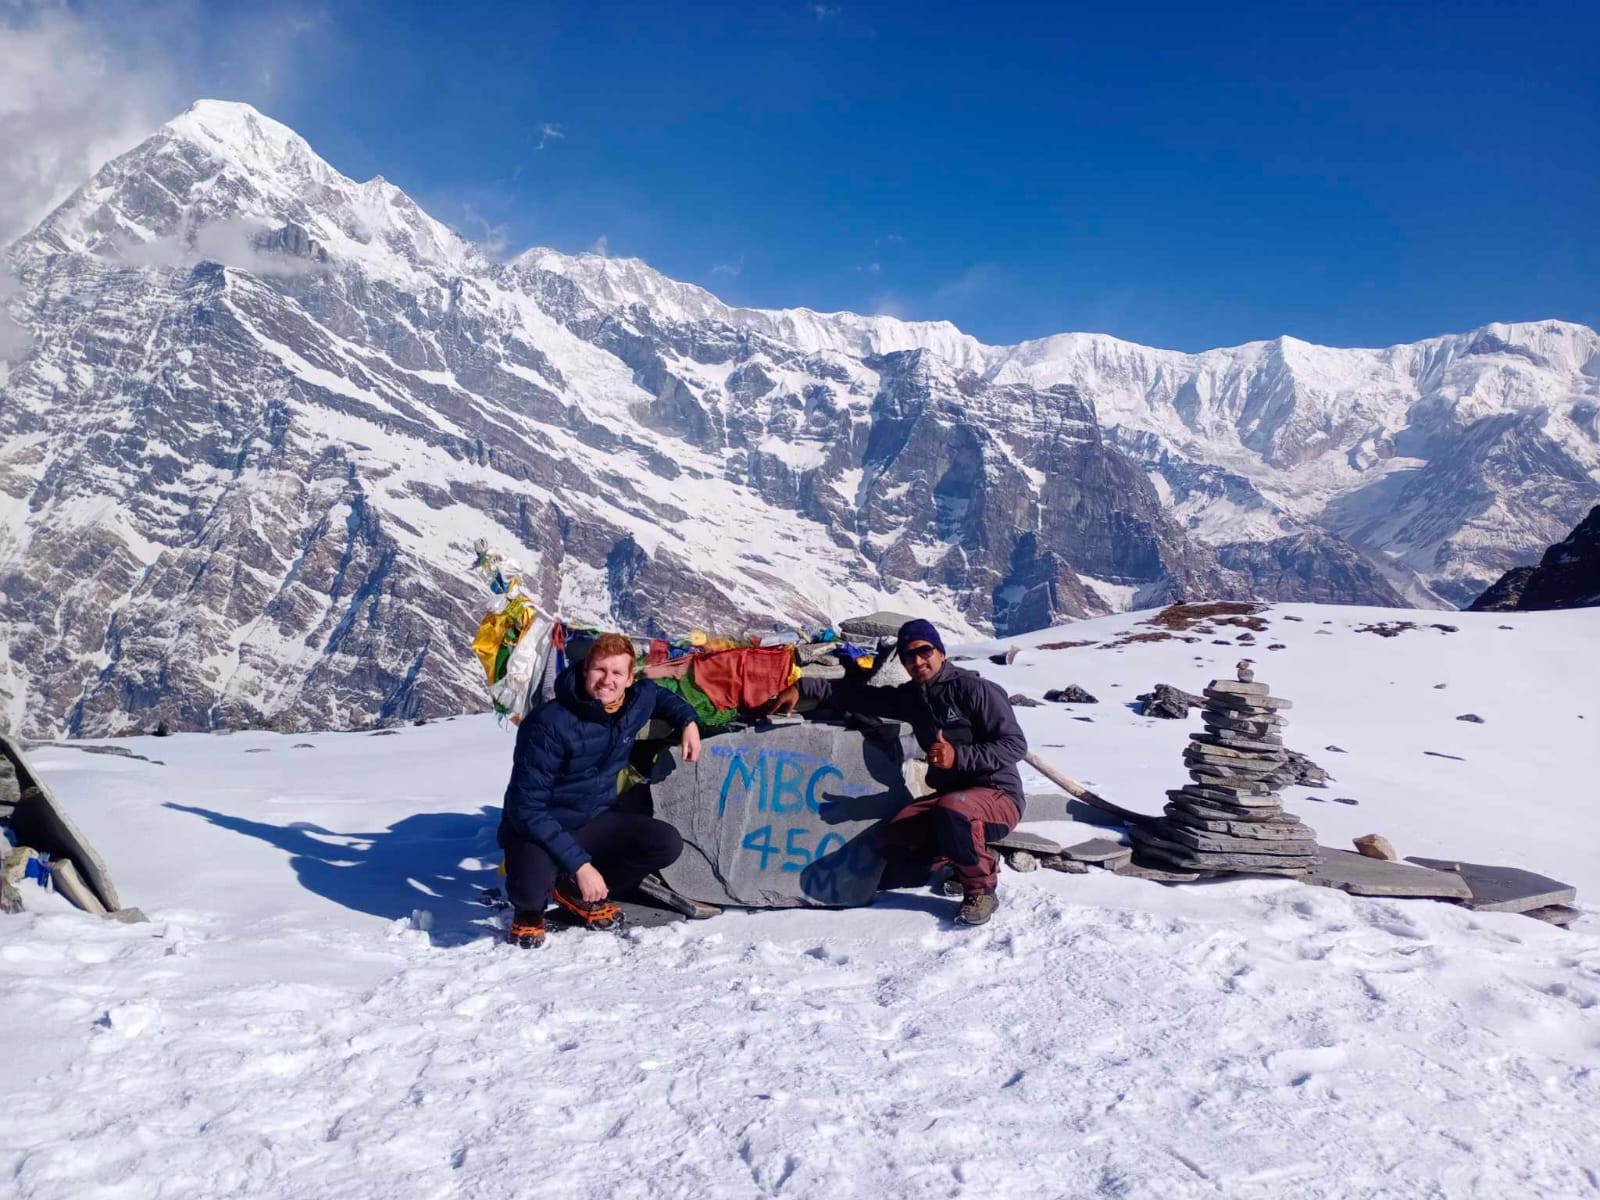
(689, 743)
(785, 701)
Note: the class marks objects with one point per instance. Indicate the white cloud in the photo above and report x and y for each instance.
(550, 133)
(973, 285)
(488, 236)
(732, 270)
(83, 83)
(602, 246)
(825, 11)
(233, 243)
(66, 106)
(888, 304)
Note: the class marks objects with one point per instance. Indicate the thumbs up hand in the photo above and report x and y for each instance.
(941, 754)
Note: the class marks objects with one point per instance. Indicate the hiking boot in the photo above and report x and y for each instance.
(597, 914)
(527, 929)
(944, 882)
(977, 908)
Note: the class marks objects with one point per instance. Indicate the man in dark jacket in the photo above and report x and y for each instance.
(973, 742)
(559, 827)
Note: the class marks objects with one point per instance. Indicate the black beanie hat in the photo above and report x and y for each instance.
(918, 631)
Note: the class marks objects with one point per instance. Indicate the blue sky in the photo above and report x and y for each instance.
(1180, 175)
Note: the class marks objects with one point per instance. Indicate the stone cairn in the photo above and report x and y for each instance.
(1231, 817)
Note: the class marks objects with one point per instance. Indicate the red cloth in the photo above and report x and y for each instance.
(677, 668)
(746, 677)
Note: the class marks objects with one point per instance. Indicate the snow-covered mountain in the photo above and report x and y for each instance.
(254, 414)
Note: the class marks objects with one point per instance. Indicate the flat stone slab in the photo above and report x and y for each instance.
(39, 821)
(1229, 748)
(1259, 831)
(1503, 889)
(1295, 847)
(1222, 717)
(882, 624)
(1257, 799)
(1555, 914)
(1229, 740)
(1237, 687)
(1223, 736)
(1102, 851)
(1191, 857)
(1211, 810)
(1149, 870)
(1249, 768)
(1021, 839)
(1209, 776)
(1347, 871)
(1268, 704)
(782, 816)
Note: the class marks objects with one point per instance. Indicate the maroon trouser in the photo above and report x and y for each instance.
(954, 828)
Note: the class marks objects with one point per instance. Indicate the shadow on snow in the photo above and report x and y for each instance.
(418, 862)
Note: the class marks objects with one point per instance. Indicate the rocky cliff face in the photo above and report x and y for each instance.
(1568, 576)
(254, 414)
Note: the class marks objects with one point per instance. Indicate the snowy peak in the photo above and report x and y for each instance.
(222, 182)
(242, 136)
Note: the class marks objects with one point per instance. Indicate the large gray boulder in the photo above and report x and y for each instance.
(874, 626)
(780, 815)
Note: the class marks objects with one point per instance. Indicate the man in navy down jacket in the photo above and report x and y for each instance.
(559, 828)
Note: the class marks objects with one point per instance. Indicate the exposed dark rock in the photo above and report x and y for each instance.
(1071, 694)
(1473, 718)
(1568, 576)
(1505, 593)
(1021, 701)
(1168, 702)
(1309, 567)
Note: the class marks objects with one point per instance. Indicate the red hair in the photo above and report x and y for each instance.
(610, 645)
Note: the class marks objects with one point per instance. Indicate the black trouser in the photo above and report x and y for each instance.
(624, 848)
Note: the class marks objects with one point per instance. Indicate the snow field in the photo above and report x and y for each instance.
(280, 1028)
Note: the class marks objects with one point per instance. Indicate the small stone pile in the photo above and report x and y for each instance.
(1231, 817)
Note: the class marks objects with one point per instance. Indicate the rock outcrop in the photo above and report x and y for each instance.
(1568, 576)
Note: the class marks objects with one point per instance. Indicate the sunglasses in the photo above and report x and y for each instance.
(916, 652)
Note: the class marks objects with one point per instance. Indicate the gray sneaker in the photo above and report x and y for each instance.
(977, 908)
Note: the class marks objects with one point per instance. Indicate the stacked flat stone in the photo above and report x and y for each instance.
(1231, 817)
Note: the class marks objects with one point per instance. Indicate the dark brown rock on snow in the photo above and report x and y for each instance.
(1168, 702)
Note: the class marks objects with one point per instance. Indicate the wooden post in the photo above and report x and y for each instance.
(1075, 789)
